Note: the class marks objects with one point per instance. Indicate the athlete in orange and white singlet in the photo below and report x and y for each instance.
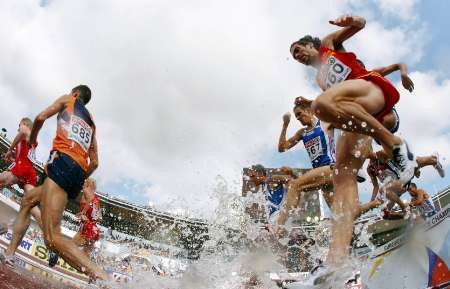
(73, 158)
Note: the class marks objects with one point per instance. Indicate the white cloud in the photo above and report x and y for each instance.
(400, 8)
(182, 91)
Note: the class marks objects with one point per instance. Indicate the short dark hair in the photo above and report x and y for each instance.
(259, 169)
(413, 185)
(85, 92)
(308, 39)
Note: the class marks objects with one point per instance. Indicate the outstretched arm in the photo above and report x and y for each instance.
(351, 25)
(408, 84)
(20, 136)
(50, 111)
(283, 143)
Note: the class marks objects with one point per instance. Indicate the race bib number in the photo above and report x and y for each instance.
(80, 132)
(32, 155)
(335, 71)
(314, 148)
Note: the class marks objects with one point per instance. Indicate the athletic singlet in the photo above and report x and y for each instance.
(22, 152)
(320, 146)
(340, 66)
(426, 209)
(274, 197)
(92, 212)
(379, 168)
(74, 132)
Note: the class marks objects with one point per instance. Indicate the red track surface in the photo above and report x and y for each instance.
(21, 279)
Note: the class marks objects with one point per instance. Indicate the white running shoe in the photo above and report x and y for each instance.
(325, 278)
(7, 260)
(438, 166)
(405, 161)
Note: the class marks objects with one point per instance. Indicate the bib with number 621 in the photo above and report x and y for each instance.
(334, 72)
(80, 132)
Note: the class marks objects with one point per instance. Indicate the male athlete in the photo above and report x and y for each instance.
(421, 200)
(382, 169)
(21, 172)
(72, 159)
(89, 214)
(318, 140)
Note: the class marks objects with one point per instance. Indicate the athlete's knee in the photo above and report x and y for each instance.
(323, 104)
(52, 241)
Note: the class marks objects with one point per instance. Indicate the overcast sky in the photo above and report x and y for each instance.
(188, 92)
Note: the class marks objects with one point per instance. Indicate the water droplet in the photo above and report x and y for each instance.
(363, 124)
(350, 122)
(372, 130)
(357, 154)
(344, 126)
(336, 171)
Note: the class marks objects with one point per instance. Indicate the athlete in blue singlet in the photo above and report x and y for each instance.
(318, 140)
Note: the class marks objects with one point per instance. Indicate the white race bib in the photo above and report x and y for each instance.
(314, 148)
(32, 155)
(80, 132)
(334, 72)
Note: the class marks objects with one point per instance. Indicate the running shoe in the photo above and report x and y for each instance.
(7, 260)
(405, 162)
(3, 229)
(53, 259)
(438, 166)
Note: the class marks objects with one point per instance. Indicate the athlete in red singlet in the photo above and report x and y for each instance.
(89, 215)
(354, 100)
(22, 173)
(74, 158)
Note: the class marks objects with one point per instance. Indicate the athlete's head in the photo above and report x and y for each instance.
(257, 174)
(26, 122)
(288, 171)
(412, 186)
(306, 50)
(90, 185)
(83, 92)
(304, 115)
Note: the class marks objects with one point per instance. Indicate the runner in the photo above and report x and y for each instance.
(382, 169)
(354, 99)
(273, 187)
(318, 140)
(89, 215)
(73, 158)
(421, 200)
(22, 173)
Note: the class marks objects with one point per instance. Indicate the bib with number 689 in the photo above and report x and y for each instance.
(80, 132)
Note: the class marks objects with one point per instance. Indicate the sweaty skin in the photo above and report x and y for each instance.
(53, 200)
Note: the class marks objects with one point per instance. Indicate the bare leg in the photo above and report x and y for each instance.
(54, 200)
(363, 208)
(393, 190)
(22, 222)
(345, 206)
(351, 105)
(312, 179)
(426, 161)
(35, 211)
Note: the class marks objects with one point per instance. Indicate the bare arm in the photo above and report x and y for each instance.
(19, 137)
(283, 143)
(351, 25)
(407, 83)
(374, 180)
(419, 198)
(93, 156)
(50, 111)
